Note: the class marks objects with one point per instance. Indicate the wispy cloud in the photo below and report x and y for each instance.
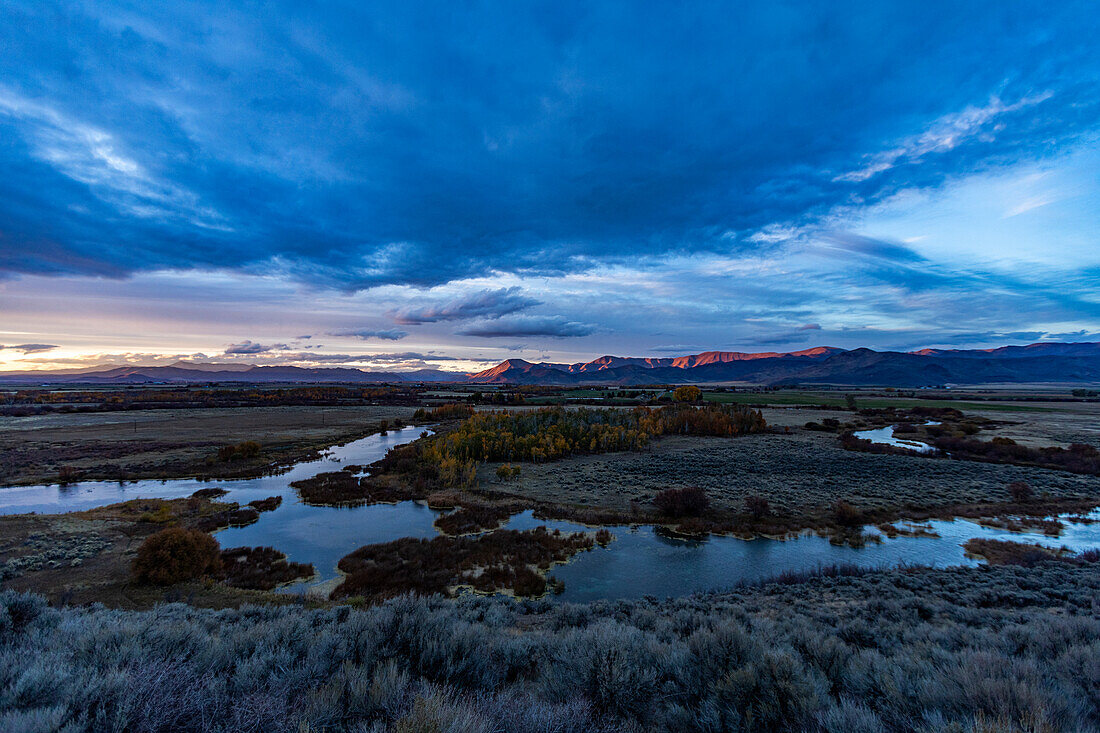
(385, 334)
(485, 304)
(528, 326)
(31, 348)
(946, 134)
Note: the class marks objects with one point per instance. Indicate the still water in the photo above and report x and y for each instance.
(885, 436)
(639, 562)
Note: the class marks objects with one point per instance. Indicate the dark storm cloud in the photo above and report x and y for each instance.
(351, 145)
(527, 326)
(486, 304)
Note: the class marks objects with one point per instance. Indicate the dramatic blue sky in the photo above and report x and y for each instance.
(449, 184)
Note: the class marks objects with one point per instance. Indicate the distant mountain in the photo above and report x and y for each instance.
(1053, 362)
(194, 373)
(1073, 363)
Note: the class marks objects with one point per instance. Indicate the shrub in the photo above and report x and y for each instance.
(67, 475)
(245, 451)
(175, 555)
(1020, 492)
(689, 501)
(507, 471)
(758, 506)
(847, 515)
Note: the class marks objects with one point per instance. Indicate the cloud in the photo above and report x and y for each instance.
(810, 327)
(682, 349)
(945, 134)
(390, 334)
(526, 326)
(486, 304)
(250, 347)
(314, 145)
(407, 356)
(31, 348)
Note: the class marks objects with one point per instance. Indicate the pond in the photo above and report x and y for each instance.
(885, 436)
(639, 562)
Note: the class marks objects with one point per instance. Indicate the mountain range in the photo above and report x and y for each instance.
(1075, 363)
(1049, 362)
(184, 372)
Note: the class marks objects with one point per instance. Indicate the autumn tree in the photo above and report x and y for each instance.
(687, 393)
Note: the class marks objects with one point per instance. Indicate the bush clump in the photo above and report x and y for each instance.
(758, 506)
(507, 471)
(175, 555)
(847, 515)
(1021, 492)
(690, 501)
(245, 451)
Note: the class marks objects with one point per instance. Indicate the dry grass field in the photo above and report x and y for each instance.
(803, 473)
(174, 443)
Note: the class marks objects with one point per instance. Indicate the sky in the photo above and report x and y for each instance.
(403, 185)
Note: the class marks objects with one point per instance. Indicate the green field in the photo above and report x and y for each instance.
(834, 400)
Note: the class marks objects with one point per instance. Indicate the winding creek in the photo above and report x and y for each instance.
(638, 563)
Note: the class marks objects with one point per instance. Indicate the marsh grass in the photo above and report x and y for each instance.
(260, 568)
(474, 518)
(503, 560)
(1004, 552)
(269, 504)
(345, 489)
